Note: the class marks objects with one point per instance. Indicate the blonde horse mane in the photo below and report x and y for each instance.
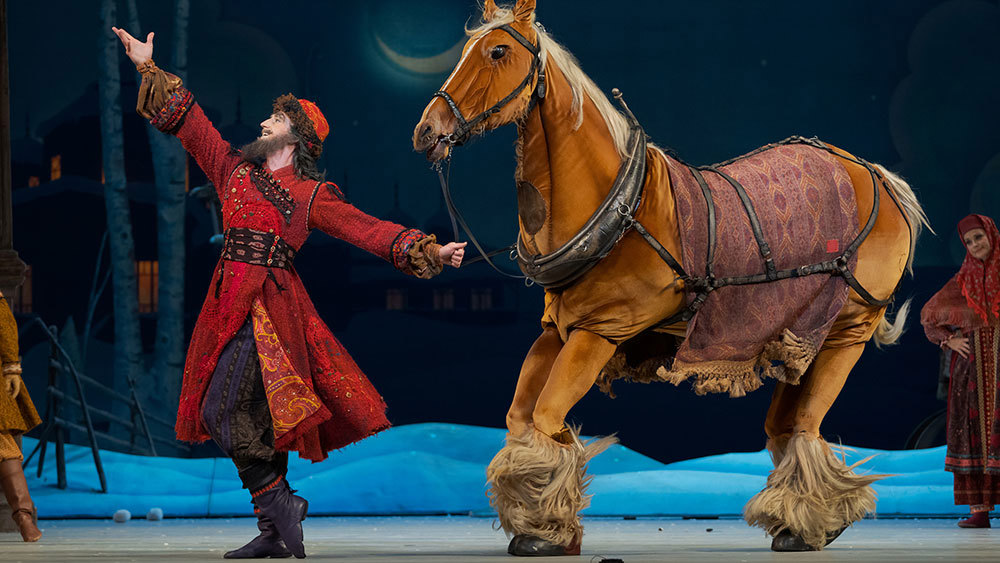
(580, 83)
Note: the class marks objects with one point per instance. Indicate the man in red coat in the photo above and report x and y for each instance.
(264, 376)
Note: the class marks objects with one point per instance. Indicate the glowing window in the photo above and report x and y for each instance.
(148, 272)
(444, 299)
(55, 167)
(481, 299)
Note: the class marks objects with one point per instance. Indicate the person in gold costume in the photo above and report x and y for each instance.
(17, 416)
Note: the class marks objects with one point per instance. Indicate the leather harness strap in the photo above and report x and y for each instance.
(561, 268)
(702, 286)
(466, 127)
(758, 233)
(465, 130)
(602, 231)
(707, 194)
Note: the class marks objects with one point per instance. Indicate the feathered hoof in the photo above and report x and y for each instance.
(830, 536)
(812, 493)
(538, 486)
(787, 541)
(524, 545)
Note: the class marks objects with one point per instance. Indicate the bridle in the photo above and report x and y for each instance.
(556, 269)
(465, 129)
(467, 126)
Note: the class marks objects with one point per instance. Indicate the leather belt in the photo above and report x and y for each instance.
(257, 248)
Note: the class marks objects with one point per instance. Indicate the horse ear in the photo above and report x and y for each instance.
(523, 10)
(489, 10)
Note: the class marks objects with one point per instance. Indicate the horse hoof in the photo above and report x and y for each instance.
(524, 545)
(787, 541)
(830, 536)
(512, 546)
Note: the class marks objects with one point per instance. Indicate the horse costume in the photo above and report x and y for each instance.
(637, 249)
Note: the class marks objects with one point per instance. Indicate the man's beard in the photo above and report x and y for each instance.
(258, 150)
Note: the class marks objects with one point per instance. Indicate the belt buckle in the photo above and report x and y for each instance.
(270, 254)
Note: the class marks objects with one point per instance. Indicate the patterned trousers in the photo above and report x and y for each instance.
(237, 416)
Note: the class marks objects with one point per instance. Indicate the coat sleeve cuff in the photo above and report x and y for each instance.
(416, 253)
(170, 118)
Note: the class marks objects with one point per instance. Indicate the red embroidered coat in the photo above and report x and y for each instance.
(289, 207)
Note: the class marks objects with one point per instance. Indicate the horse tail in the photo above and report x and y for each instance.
(888, 333)
(910, 206)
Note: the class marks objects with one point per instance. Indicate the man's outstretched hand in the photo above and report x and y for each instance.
(136, 51)
(452, 253)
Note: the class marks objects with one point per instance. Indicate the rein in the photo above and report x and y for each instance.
(465, 129)
(602, 231)
(616, 215)
(444, 174)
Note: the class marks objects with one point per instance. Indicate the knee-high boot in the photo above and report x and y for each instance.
(286, 511)
(279, 510)
(268, 544)
(15, 488)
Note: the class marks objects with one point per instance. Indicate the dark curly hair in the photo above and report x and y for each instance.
(304, 161)
(300, 122)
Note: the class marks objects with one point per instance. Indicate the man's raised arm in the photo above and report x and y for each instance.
(171, 108)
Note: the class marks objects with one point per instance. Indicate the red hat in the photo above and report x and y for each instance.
(307, 120)
(969, 223)
(319, 122)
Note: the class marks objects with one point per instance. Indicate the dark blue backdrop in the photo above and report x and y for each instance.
(911, 84)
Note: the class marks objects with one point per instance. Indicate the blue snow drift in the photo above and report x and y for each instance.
(440, 468)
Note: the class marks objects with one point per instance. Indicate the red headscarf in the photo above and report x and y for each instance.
(979, 280)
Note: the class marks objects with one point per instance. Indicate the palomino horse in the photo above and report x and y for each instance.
(617, 230)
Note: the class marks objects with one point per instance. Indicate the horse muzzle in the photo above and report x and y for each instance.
(432, 136)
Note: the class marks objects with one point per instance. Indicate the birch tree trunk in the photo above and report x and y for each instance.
(128, 345)
(169, 160)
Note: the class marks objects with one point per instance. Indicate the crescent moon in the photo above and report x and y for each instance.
(438, 64)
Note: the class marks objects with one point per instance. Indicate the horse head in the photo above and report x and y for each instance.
(492, 84)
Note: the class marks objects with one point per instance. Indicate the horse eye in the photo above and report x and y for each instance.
(498, 52)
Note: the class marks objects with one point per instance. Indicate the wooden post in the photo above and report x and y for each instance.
(11, 266)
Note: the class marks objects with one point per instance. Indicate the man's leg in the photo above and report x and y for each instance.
(262, 469)
(236, 414)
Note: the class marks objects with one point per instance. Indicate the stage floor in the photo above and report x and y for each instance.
(463, 539)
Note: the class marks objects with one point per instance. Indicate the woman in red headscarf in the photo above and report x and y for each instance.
(963, 317)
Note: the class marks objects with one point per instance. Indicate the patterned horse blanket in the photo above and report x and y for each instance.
(807, 211)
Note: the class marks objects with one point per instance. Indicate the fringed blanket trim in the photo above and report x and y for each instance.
(618, 368)
(785, 359)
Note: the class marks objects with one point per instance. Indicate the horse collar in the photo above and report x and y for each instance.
(595, 240)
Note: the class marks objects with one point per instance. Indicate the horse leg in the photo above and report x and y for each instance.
(538, 480)
(534, 373)
(811, 495)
